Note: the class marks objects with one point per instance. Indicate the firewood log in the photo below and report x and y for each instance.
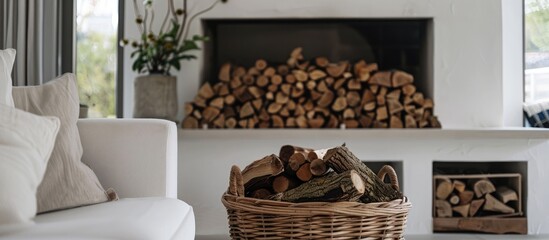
(394, 95)
(394, 106)
(225, 72)
(257, 174)
(395, 122)
(336, 70)
(353, 98)
(339, 104)
(348, 113)
(276, 79)
(482, 187)
(506, 194)
(317, 74)
(217, 102)
(258, 104)
(443, 208)
(340, 159)
(260, 64)
(235, 82)
(410, 122)
(444, 188)
(318, 167)
(382, 78)
(248, 80)
(463, 210)
(219, 122)
(230, 122)
(269, 72)
(428, 103)
(206, 91)
(454, 199)
(255, 92)
(381, 113)
(418, 98)
(475, 206)
(290, 122)
(316, 122)
(401, 78)
(287, 151)
(296, 160)
(210, 113)
(262, 81)
(311, 85)
(246, 110)
(465, 197)
(239, 72)
(278, 122)
(300, 75)
(253, 71)
(351, 123)
(322, 61)
(408, 90)
(197, 114)
(282, 183)
(304, 172)
(354, 84)
(492, 204)
(274, 108)
(371, 106)
(333, 187)
(290, 78)
(190, 122)
(282, 70)
(365, 121)
(458, 185)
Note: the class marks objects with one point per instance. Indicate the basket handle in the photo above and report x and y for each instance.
(388, 170)
(236, 184)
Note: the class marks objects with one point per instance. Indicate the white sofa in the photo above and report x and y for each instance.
(138, 158)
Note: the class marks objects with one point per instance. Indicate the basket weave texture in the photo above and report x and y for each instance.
(251, 218)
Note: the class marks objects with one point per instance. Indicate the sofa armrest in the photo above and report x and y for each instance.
(136, 157)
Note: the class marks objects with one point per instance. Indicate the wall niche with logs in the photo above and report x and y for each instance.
(488, 197)
(310, 93)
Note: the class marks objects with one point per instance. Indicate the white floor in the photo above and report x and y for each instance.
(431, 237)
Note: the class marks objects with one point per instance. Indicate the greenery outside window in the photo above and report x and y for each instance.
(96, 56)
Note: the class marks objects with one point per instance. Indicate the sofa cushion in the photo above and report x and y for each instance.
(7, 58)
(26, 143)
(67, 182)
(129, 218)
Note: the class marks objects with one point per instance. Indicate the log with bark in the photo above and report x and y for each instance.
(333, 187)
(340, 159)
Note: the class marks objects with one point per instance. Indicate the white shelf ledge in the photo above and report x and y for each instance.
(477, 133)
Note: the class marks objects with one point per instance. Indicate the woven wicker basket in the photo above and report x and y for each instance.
(251, 218)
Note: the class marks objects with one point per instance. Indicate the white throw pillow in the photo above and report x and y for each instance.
(26, 143)
(7, 58)
(67, 182)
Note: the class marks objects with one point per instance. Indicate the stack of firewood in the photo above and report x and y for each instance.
(310, 94)
(305, 175)
(476, 197)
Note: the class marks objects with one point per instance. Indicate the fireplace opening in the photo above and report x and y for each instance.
(316, 73)
(404, 44)
(487, 197)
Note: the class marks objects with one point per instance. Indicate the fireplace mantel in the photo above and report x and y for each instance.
(478, 133)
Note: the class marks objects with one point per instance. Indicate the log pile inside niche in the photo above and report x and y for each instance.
(310, 94)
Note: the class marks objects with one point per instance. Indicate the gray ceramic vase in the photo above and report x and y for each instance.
(155, 96)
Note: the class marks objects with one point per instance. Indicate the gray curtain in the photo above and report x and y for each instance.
(32, 28)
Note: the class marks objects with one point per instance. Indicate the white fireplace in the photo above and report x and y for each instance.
(476, 87)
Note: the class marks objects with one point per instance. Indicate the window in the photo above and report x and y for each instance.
(96, 58)
(536, 50)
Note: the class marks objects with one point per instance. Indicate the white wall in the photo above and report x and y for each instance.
(477, 67)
